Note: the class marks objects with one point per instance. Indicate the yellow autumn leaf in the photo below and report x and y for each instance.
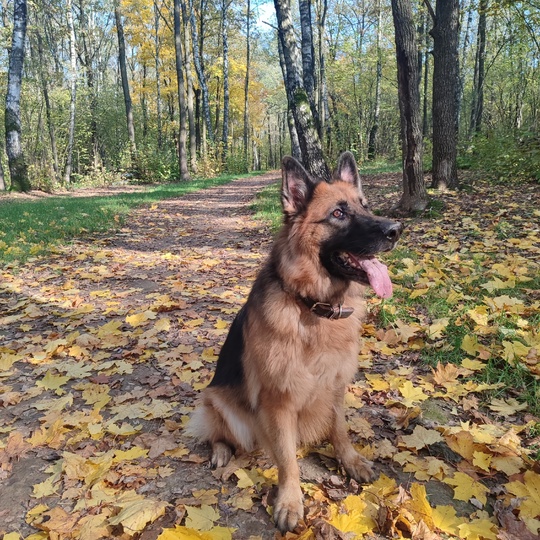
(11, 536)
(138, 319)
(506, 407)
(185, 533)
(420, 438)
(163, 325)
(136, 512)
(53, 382)
(467, 488)
(411, 393)
(482, 460)
(201, 519)
(514, 350)
(529, 493)
(377, 383)
(479, 529)
(135, 452)
(445, 519)
(221, 324)
(193, 323)
(419, 505)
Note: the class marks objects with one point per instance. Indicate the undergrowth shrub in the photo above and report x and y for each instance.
(505, 156)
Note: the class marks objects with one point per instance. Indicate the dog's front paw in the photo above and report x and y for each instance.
(288, 508)
(359, 468)
(221, 455)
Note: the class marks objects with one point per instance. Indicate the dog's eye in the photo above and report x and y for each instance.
(338, 213)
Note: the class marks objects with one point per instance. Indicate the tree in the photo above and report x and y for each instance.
(16, 160)
(445, 107)
(73, 92)
(197, 60)
(477, 107)
(125, 85)
(182, 149)
(372, 142)
(226, 95)
(246, 84)
(310, 144)
(414, 196)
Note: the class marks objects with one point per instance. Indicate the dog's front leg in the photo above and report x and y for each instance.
(280, 427)
(356, 465)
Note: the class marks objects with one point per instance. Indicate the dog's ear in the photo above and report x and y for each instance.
(347, 171)
(297, 186)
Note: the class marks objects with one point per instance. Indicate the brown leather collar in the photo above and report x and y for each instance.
(327, 311)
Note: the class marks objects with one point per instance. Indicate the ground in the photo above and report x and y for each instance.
(105, 345)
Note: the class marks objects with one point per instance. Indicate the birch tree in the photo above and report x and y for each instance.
(16, 160)
(72, 90)
(182, 139)
(310, 144)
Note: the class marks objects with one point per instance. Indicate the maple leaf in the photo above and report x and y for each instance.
(506, 407)
(53, 382)
(185, 533)
(420, 438)
(411, 393)
(202, 518)
(467, 488)
(445, 519)
(478, 529)
(529, 492)
(136, 512)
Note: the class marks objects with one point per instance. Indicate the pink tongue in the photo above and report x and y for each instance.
(378, 276)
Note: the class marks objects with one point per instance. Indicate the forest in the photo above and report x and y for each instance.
(101, 91)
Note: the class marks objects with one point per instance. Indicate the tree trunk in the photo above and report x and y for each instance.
(94, 150)
(296, 152)
(157, 54)
(414, 196)
(324, 110)
(246, 86)
(73, 93)
(226, 97)
(125, 86)
(182, 150)
(45, 91)
(17, 164)
(445, 94)
(425, 96)
(310, 144)
(372, 140)
(200, 74)
(190, 90)
(464, 50)
(477, 108)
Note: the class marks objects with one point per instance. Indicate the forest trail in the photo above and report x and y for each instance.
(106, 342)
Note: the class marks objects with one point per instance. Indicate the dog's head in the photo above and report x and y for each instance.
(336, 221)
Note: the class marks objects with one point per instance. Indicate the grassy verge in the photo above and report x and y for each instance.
(29, 228)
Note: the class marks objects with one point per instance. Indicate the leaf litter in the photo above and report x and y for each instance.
(106, 343)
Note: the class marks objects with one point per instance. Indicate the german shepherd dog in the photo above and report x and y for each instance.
(293, 348)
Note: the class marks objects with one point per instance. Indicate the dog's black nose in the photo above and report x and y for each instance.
(393, 230)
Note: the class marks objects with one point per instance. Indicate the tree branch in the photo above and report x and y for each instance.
(430, 9)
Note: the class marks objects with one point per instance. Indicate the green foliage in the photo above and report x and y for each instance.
(157, 165)
(505, 156)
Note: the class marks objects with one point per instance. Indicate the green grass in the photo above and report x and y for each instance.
(29, 228)
(267, 206)
(379, 167)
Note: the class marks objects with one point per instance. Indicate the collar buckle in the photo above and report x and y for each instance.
(331, 312)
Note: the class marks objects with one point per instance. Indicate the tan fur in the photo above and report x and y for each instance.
(296, 365)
